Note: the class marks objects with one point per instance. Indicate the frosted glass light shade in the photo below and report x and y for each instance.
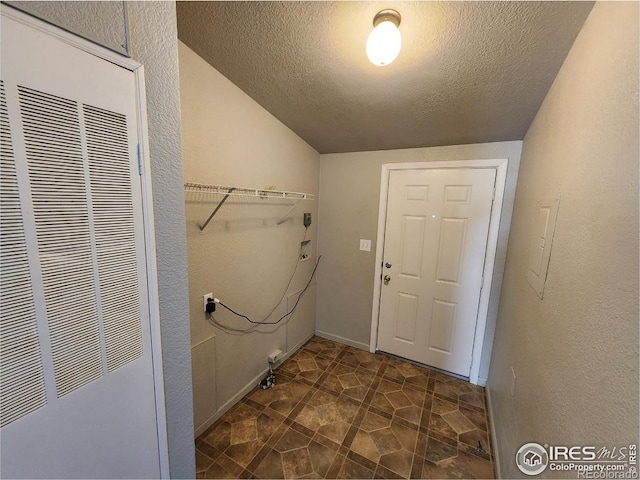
(383, 44)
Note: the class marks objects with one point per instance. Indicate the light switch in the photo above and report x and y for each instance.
(544, 224)
(365, 245)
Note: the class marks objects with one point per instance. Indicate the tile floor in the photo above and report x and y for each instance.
(339, 412)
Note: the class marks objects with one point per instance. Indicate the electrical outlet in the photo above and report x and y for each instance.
(513, 381)
(204, 301)
(275, 356)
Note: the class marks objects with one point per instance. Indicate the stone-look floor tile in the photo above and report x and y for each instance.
(411, 414)
(479, 419)
(416, 467)
(244, 431)
(348, 380)
(229, 465)
(220, 436)
(302, 429)
(473, 437)
(357, 393)
(329, 413)
(267, 424)
(296, 463)
(217, 471)
(441, 377)
(421, 444)
(439, 425)
(462, 466)
(202, 461)
(321, 458)
(474, 451)
(335, 431)
(431, 384)
(351, 469)
(209, 451)
(419, 381)
(381, 402)
(332, 383)
(458, 421)
(406, 436)
(372, 422)
(441, 406)
(398, 399)
(359, 459)
(309, 417)
(340, 412)
(322, 398)
(444, 439)
(240, 412)
(438, 451)
(399, 462)
(414, 394)
(386, 441)
(446, 390)
(243, 453)
(291, 440)
(473, 398)
(372, 365)
(349, 358)
(383, 472)
(364, 445)
(351, 433)
(318, 344)
(326, 442)
(270, 467)
(336, 466)
(388, 386)
(392, 372)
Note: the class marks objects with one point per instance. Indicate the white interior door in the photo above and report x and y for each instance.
(434, 250)
(77, 391)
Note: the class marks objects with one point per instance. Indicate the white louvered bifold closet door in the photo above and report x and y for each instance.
(77, 394)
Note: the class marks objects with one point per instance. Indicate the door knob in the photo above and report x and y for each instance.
(387, 279)
(388, 265)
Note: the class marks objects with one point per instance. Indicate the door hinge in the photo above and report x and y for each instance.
(139, 160)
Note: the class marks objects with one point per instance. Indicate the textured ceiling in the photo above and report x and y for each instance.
(468, 71)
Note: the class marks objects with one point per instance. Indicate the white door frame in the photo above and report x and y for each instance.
(492, 242)
(147, 206)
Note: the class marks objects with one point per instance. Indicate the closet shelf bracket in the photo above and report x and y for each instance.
(204, 225)
(284, 217)
(228, 191)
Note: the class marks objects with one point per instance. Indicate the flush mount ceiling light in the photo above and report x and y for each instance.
(384, 42)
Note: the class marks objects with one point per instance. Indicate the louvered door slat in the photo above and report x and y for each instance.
(22, 389)
(110, 177)
(59, 194)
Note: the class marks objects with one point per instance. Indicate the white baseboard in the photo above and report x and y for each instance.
(494, 437)
(246, 389)
(482, 382)
(346, 341)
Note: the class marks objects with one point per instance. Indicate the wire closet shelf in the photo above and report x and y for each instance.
(262, 193)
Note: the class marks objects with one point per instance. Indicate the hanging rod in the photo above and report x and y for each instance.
(263, 193)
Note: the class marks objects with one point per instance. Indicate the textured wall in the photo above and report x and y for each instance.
(575, 353)
(154, 44)
(101, 22)
(243, 257)
(349, 196)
